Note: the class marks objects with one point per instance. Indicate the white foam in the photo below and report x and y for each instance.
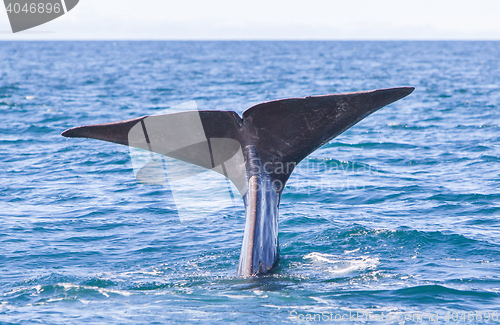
(104, 292)
(339, 265)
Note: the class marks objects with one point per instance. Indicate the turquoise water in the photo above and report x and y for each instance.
(397, 216)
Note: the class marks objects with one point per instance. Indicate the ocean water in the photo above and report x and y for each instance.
(397, 217)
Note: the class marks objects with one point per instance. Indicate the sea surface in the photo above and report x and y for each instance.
(397, 217)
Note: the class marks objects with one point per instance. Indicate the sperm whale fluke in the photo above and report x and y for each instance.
(257, 151)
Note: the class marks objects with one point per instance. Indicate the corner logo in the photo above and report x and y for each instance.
(26, 14)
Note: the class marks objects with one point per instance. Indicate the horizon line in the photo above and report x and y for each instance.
(243, 40)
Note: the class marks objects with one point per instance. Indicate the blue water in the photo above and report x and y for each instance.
(408, 223)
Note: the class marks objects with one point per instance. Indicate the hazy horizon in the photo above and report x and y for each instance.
(280, 20)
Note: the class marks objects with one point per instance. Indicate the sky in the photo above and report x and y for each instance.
(269, 20)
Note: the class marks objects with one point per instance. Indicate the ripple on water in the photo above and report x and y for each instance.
(408, 221)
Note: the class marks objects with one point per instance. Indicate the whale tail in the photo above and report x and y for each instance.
(257, 151)
(283, 132)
